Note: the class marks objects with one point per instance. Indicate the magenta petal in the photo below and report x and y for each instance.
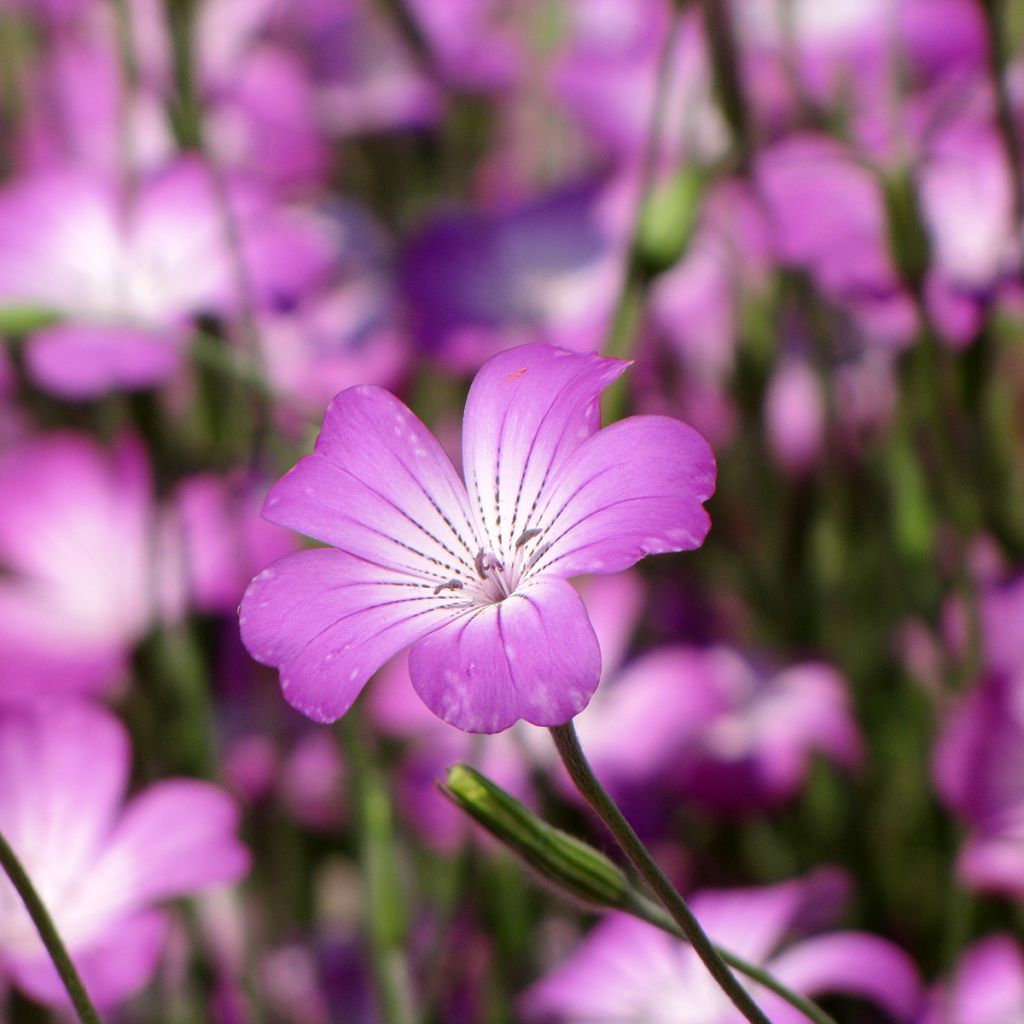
(175, 837)
(856, 964)
(329, 620)
(988, 987)
(532, 656)
(635, 488)
(527, 411)
(112, 968)
(81, 361)
(379, 486)
(59, 795)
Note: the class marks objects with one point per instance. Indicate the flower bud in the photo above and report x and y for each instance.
(570, 864)
(667, 221)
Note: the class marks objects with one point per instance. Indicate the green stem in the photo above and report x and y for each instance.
(384, 911)
(650, 912)
(48, 933)
(569, 750)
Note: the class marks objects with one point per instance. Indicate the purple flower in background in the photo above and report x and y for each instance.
(223, 538)
(473, 576)
(717, 728)
(828, 214)
(547, 270)
(605, 77)
(979, 770)
(85, 565)
(627, 970)
(987, 988)
(99, 866)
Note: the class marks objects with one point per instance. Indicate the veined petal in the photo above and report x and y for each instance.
(329, 620)
(379, 486)
(528, 410)
(635, 488)
(532, 656)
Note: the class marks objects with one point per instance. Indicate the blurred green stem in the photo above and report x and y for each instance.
(569, 750)
(383, 908)
(995, 26)
(626, 318)
(48, 933)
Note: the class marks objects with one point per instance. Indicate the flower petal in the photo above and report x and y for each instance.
(635, 488)
(329, 620)
(85, 360)
(379, 486)
(64, 771)
(532, 656)
(112, 968)
(853, 963)
(176, 837)
(528, 409)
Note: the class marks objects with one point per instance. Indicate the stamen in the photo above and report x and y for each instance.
(485, 563)
(527, 535)
(450, 585)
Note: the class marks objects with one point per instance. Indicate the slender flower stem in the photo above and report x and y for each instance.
(569, 750)
(640, 906)
(48, 933)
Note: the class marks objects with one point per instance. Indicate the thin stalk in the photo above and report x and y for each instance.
(48, 933)
(384, 912)
(640, 906)
(569, 750)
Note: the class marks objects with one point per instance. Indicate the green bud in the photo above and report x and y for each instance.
(667, 220)
(19, 320)
(570, 864)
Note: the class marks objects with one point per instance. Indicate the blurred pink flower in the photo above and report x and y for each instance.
(474, 575)
(368, 79)
(223, 537)
(979, 771)
(87, 566)
(794, 416)
(121, 277)
(605, 77)
(716, 728)
(627, 970)
(986, 988)
(98, 866)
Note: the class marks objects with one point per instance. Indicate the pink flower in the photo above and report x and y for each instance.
(979, 770)
(87, 566)
(727, 733)
(98, 866)
(473, 576)
(987, 988)
(122, 277)
(627, 970)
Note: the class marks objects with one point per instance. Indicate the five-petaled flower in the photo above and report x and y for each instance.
(473, 575)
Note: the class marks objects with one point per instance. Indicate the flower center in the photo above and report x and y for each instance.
(492, 578)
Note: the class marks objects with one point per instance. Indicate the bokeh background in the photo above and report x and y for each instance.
(802, 220)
